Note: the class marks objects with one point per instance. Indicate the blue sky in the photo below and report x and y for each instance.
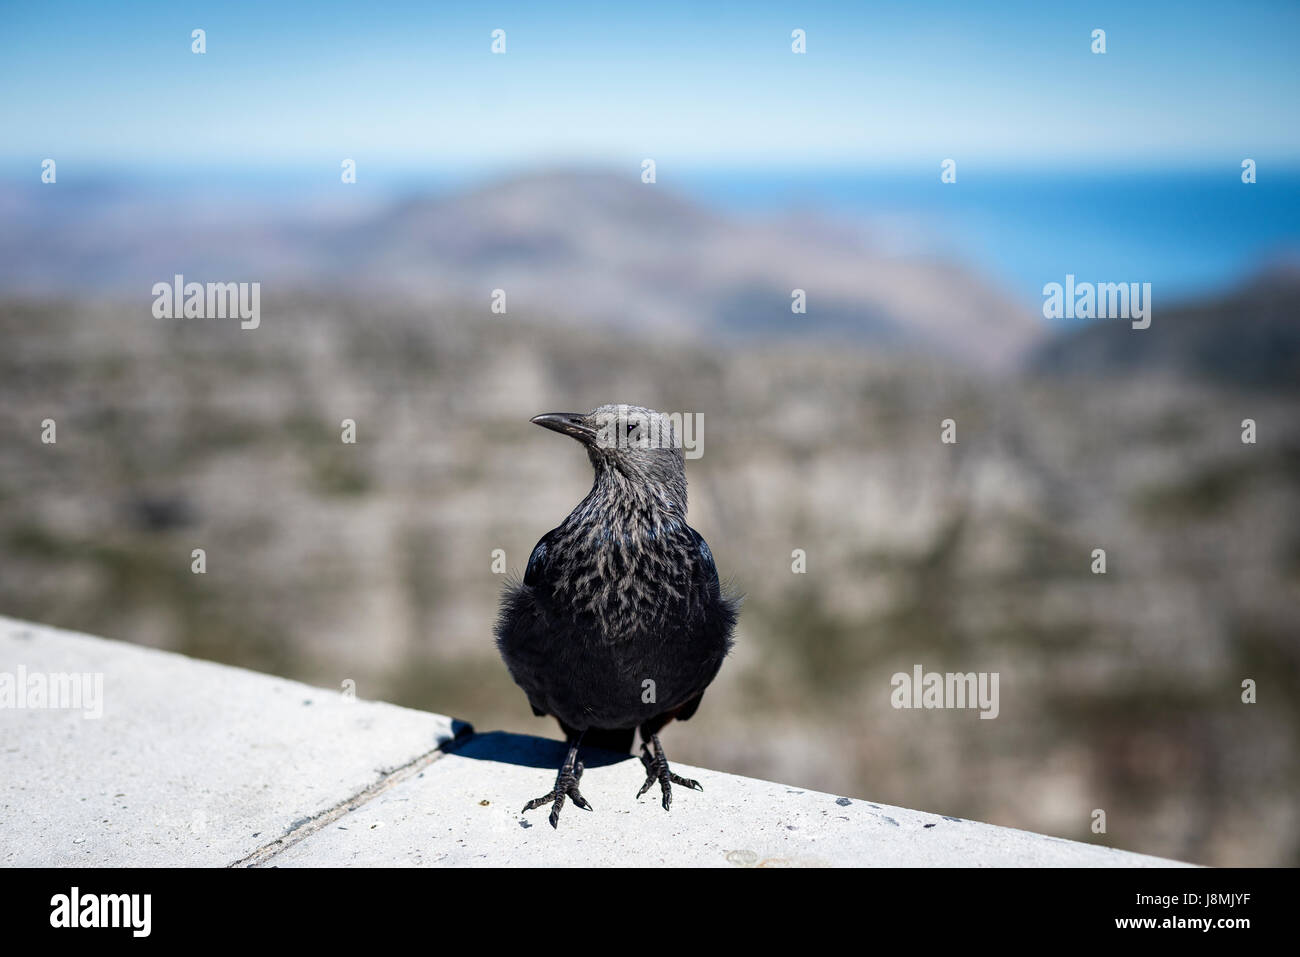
(414, 86)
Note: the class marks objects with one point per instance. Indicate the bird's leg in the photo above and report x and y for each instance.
(566, 784)
(656, 769)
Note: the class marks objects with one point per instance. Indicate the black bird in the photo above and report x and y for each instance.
(619, 623)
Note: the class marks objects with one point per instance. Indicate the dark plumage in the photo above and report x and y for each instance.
(619, 623)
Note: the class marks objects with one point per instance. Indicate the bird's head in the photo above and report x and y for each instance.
(629, 445)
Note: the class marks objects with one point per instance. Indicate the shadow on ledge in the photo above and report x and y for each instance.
(526, 751)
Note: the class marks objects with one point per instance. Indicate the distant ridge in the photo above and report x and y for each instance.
(1249, 337)
(575, 244)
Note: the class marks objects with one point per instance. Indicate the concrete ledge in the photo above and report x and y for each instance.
(192, 763)
(198, 764)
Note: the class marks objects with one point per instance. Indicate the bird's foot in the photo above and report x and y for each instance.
(656, 769)
(566, 785)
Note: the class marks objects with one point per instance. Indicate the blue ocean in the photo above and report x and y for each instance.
(1186, 232)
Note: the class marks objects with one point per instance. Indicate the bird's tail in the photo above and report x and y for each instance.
(619, 740)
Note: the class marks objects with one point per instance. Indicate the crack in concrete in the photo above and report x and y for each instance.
(304, 828)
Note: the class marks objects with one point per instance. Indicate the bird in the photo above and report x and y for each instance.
(620, 622)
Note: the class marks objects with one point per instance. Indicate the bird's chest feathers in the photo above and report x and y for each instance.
(627, 575)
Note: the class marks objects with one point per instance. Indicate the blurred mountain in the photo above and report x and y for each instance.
(578, 244)
(1248, 337)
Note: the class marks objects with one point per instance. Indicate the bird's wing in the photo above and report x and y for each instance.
(717, 615)
(520, 623)
(538, 562)
(706, 572)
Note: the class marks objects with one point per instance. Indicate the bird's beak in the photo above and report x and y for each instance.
(572, 424)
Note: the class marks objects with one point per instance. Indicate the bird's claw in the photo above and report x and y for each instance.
(656, 768)
(566, 785)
